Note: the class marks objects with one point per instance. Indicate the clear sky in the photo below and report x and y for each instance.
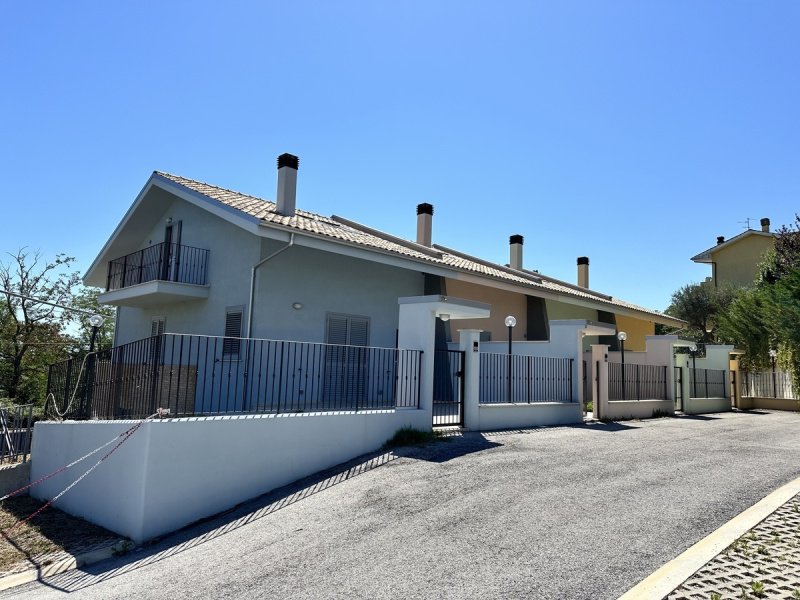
(630, 132)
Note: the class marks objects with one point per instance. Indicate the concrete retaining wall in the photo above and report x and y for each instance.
(769, 403)
(513, 416)
(698, 406)
(171, 473)
(637, 409)
(13, 477)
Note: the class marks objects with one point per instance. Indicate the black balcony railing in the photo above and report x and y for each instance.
(193, 375)
(533, 379)
(637, 382)
(162, 262)
(707, 383)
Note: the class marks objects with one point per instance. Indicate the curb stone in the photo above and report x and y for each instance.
(670, 576)
(69, 562)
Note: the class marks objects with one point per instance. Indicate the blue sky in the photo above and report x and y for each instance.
(630, 132)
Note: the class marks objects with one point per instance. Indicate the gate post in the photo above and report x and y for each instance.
(469, 344)
(600, 380)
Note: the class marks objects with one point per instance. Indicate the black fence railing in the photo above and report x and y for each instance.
(532, 379)
(193, 375)
(707, 383)
(16, 428)
(163, 262)
(637, 382)
(448, 387)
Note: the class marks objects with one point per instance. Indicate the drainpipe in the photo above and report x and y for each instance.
(253, 282)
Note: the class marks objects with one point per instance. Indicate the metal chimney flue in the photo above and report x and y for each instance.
(720, 239)
(515, 251)
(286, 197)
(765, 225)
(583, 272)
(424, 224)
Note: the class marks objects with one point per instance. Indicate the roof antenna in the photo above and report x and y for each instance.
(746, 222)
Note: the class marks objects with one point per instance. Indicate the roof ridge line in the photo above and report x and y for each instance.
(488, 263)
(387, 236)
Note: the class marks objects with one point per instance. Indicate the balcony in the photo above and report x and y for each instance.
(160, 273)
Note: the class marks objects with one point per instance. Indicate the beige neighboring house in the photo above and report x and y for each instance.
(735, 261)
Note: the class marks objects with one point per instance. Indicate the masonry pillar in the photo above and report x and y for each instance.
(469, 344)
(417, 331)
(600, 380)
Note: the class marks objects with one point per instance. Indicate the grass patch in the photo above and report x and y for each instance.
(408, 436)
(590, 407)
(35, 543)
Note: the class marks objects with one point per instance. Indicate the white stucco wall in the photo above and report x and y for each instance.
(171, 473)
(637, 409)
(511, 416)
(232, 252)
(322, 282)
(327, 283)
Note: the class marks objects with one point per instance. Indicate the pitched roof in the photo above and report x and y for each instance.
(344, 230)
(705, 255)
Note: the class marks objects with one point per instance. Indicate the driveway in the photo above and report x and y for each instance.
(568, 513)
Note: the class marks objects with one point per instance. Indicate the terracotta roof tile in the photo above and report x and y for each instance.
(264, 210)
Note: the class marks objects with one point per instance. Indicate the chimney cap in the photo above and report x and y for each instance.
(720, 239)
(288, 160)
(516, 239)
(765, 222)
(424, 209)
(583, 260)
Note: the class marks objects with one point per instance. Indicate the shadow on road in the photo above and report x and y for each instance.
(211, 528)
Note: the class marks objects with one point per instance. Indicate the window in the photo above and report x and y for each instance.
(347, 330)
(233, 331)
(346, 368)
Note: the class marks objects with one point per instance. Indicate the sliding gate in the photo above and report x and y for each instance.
(448, 388)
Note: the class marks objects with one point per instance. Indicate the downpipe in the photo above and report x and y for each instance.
(253, 270)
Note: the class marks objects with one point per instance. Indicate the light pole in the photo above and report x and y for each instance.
(773, 354)
(693, 352)
(96, 321)
(622, 336)
(510, 322)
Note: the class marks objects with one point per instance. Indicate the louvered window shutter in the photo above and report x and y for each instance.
(157, 327)
(337, 330)
(233, 331)
(359, 331)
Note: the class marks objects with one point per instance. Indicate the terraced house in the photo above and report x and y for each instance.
(189, 257)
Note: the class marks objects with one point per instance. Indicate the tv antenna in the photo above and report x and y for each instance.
(746, 222)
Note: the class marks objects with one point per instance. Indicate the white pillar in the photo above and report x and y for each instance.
(600, 380)
(661, 352)
(417, 331)
(469, 344)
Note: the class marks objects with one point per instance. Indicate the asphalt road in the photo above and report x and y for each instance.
(568, 513)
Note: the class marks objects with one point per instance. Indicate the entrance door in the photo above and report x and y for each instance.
(448, 388)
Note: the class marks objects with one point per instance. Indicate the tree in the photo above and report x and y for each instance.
(745, 324)
(785, 258)
(700, 305)
(86, 300)
(32, 333)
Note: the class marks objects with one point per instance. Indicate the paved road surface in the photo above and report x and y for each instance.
(568, 513)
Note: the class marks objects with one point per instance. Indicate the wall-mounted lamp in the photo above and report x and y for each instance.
(169, 220)
(297, 305)
(444, 317)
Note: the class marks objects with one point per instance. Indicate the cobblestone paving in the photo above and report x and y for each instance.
(763, 563)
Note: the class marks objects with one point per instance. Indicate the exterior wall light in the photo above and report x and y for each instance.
(297, 305)
(444, 317)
